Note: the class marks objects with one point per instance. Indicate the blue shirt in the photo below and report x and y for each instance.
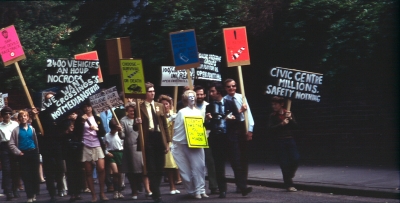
(25, 139)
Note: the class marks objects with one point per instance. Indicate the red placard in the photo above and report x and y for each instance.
(236, 47)
(10, 47)
(92, 55)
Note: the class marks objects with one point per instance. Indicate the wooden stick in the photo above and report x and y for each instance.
(29, 97)
(289, 104)
(115, 116)
(189, 78)
(141, 138)
(175, 98)
(244, 97)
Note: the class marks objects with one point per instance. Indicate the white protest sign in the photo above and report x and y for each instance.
(209, 67)
(105, 100)
(1, 100)
(172, 77)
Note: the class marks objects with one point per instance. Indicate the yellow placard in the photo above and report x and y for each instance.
(132, 76)
(195, 132)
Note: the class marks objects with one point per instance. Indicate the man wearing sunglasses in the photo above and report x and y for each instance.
(244, 136)
(6, 127)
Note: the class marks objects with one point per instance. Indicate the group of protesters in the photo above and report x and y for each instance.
(141, 146)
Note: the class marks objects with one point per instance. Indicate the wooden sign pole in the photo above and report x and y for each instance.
(289, 104)
(175, 98)
(115, 116)
(244, 97)
(29, 97)
(189, 79)
(141, 138)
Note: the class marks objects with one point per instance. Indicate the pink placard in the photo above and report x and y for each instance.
(10, 46)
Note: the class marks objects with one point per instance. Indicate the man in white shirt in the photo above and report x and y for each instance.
(245, 136)
(6, 127)
(201, 104)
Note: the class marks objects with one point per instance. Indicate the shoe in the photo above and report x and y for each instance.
(172, 192)
(61, 193)
(214, 191)
(178, 182)
(103, 198)
(222, 195)
(204, 195)
(291, 189)
(120, 196)
(16, 194)
(177, 192)
(116, 195)
(42, 181)
(198, 196)
(87, 190)
(34, 198)
(30, 200)
(149, 194)
(246, 191)
(134, 197)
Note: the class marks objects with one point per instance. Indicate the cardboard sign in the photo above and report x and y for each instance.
(184, 49)
(195, 132)
(236, 47)
(10, 47)
(295, 84)
(71, 96)
(209, 67)
(2, 100)
(92, 55)
(117, 49)
(172, 77)
(132, 76)
(67, 71)
(105, 100)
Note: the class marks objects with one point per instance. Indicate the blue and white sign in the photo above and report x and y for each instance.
(184, 49)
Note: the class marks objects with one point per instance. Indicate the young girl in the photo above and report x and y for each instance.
(114, 151)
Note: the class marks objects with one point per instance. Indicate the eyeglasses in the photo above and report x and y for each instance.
(232, 86)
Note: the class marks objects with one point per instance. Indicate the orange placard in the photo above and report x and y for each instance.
(92, 55)
(236, 47)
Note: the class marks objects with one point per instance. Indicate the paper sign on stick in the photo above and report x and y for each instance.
(209, 67)
(195, 132)
(1, 101)
(10, 47)
(92, 55)
(184, 49)
(132, 76)
(172, 77)
(236, 47)
(67, 71)
(295, 84)
(105, 100)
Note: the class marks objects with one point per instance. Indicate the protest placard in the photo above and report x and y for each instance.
(295, 84)
(70, 96)
(172, 77)
(132, 76)
(91, 55)
(184, 49)
(236, 46)
(195, 132)
(10, 47)
(209, 67)
(106, 100)
(67, 71)
(2, 103)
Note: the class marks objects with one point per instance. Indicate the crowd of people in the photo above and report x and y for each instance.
(142, 142)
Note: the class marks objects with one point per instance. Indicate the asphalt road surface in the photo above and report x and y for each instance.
(259, 194)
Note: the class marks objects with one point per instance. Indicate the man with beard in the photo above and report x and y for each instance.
(201, 104)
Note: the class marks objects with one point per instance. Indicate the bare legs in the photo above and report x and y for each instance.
(100, 176)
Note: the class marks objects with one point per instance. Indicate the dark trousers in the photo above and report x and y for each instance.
(226, 147)
(53, 169)
(243, 147)
(10, 180)
(288, 159)
(74, 176)
(155, 161)
(212, 178)
(29, 164)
